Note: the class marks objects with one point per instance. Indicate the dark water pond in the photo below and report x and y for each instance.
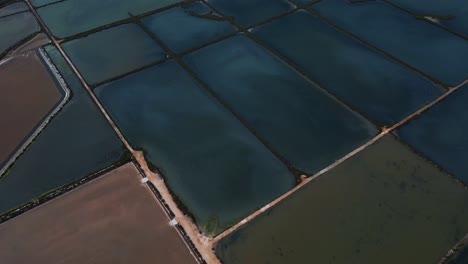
(216, 167)
(440, 133)
(15, 29)
(381, 88)
(248, 12)
(99, 56)
(72, 17)
(450, 13)
(429, 48)
(13, 9)
(76, 143)
(298, 120)
(181, 28)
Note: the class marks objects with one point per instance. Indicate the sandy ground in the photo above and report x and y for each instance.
(202, 243)
(114, 219)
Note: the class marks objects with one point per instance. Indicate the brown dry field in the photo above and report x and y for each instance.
(28, 93)
(37, 41)
(113, 219)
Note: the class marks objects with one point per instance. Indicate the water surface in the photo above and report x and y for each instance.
(460, 257)
(13, 9)
(89, 223)
(72, 17)
(38, 3)
(440, 133)
(381, 88)
(16, 28)
(181, 28)
(113, 52)
(29, 95)
(385, 205)
(297, 119)
(77, 142)
(248, 12)
(214, 165)
(429, 48)
(450, 13)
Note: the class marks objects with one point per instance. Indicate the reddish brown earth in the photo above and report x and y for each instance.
(114, 219)
(28, 94)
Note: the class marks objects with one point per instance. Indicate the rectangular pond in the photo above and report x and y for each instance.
(248, 12)
(384, 205)
(71, 17)
(296, 118)
(452, 14)
(213, 164)
(431, 49)
(77, 142)
(188, 26)
(38, 3)
(440, 133)
(114, 219)
(13, 8)
(15, 29)
(381, 88)
(112, 52)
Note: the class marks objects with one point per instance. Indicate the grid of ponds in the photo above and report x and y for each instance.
(235, 103)
(77, 142)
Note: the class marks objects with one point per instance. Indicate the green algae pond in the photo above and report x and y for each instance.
(384, 205)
